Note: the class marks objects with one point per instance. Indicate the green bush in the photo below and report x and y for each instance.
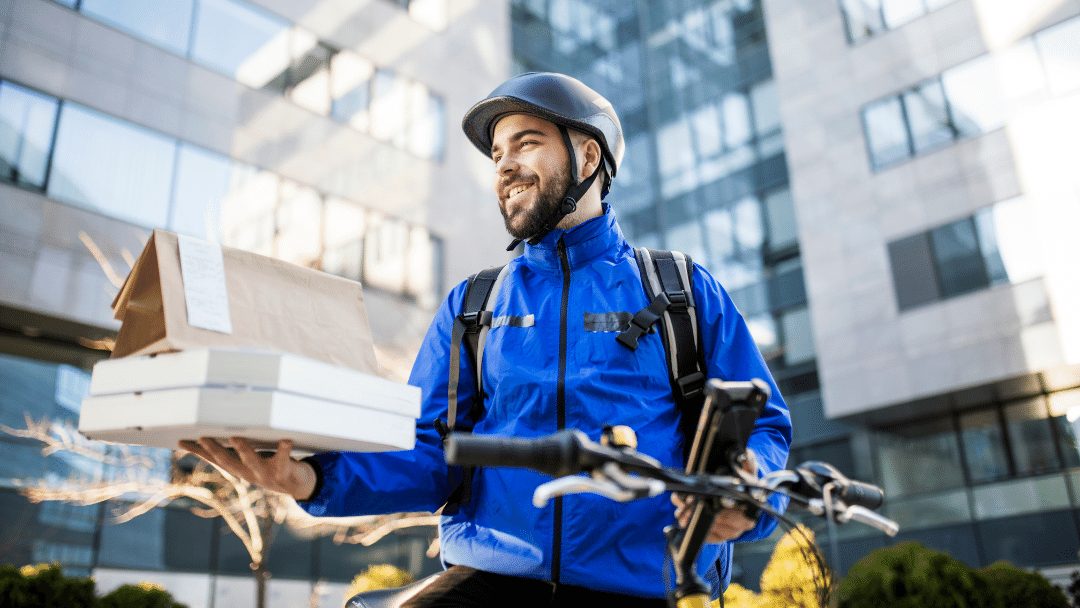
(908, 575)
(1017, 587)
(43, 586)
(143, 595)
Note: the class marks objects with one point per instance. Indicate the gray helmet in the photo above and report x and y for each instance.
(558, 98)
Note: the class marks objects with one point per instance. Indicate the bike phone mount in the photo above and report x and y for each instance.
(719, 448)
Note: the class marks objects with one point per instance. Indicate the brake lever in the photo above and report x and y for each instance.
(869, 518)
(844, 514)
(610, 481)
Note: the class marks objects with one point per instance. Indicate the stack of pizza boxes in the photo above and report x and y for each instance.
(218, 342)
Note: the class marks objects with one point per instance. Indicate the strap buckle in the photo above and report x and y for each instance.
(677, 301)
(473, 321)
(691, 385)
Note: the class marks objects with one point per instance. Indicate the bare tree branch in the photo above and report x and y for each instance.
(247, 510)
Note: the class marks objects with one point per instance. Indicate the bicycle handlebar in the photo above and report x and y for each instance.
(556, 455)
(570, 452)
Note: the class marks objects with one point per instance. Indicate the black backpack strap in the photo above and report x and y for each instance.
(473, 321)
(470, 327)
(667, 279)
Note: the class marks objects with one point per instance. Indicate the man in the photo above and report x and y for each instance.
(549, 369)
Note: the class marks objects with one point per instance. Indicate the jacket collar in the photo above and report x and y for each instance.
(599, 237)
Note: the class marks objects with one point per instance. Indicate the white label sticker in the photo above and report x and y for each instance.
(202, 268)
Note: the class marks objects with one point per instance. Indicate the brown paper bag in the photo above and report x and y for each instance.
(273, 305)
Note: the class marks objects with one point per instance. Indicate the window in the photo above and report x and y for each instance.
(913, 271)
(957, 258)
(350, 89)
(1031, 437)
(386, 254)
(27, 121)
(780, 213)
(248, 44)
(919, 457)
(425, 137)
(972, 98)
(863, 18)
(1060, 54)
(308, 76)
(984, 446)
(1065, 416)
(886, 133)
(927, 116)
(247, 215)
(868, 18)
(798, 336)
(389, 110)
(140, 176)
(166, 24)
(263, 51)
(299, 224)
(93, 161)
(203, 183)
(962, 256)
(344, 238)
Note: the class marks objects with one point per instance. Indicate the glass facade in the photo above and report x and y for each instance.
(972, 98)
(704, 170)
(972, 253)
(264, 51)
(82, 157)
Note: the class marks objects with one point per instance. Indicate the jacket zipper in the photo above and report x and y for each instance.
(560, 401)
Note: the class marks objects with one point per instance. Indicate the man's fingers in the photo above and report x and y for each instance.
(283, 455)
(221, 457)
(251, 460)
(194, 448)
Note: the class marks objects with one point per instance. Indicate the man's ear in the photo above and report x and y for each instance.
(591, 157)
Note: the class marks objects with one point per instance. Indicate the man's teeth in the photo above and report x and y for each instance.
(516, 190)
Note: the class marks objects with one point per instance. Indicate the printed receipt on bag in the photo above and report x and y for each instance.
(202, 268)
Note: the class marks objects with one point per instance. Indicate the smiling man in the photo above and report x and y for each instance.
(550, 361)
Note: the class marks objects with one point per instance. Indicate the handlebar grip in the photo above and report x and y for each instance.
(555, 455)
(863, 494)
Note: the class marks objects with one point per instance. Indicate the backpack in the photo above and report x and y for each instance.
(667, 280)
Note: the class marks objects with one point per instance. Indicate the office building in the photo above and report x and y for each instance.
(885, 188)
(323, 133)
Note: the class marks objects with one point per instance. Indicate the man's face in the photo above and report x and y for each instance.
(531, 172)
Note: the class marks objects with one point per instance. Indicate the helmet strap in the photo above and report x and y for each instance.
(570, 198)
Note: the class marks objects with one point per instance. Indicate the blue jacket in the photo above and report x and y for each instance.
(601, 544)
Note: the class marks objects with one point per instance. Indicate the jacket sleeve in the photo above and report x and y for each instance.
(731, 354)
(363, 483)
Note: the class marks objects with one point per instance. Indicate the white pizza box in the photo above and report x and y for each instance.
(161, 418)
(255, 369)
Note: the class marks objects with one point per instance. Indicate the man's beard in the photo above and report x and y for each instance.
(534, 219)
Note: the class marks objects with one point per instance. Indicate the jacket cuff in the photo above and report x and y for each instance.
(320, 478)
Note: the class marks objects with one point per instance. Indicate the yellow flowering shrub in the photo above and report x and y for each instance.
(791, 579)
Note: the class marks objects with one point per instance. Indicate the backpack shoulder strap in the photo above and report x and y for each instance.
(667, 279)
(471, 327)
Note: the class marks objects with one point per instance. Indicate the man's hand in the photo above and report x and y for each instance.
(728, 523)
(278, 472)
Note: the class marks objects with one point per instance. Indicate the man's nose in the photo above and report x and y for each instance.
(505, 165)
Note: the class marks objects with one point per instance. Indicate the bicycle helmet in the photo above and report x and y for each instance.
(564, 101)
